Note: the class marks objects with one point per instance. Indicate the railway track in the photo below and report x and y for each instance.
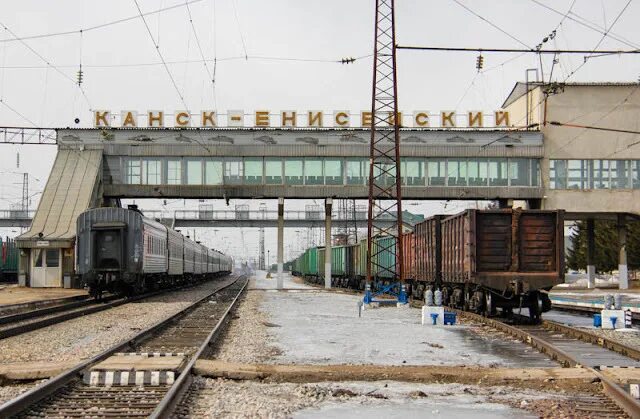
(146, 376)
(573, 347)
(19, 323)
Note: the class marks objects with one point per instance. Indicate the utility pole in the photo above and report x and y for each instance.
(385, 194)
(263, 212)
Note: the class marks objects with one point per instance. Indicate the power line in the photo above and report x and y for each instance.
(490, 23)
(590, 25)
(235, 13)
(600, 41)
(48, 63)
(102, 25)
(565, 124)
(157, 47)
(516, 50)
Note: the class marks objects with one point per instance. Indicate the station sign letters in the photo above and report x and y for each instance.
(295, 119)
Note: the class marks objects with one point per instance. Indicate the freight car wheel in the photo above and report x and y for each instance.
(535, 307)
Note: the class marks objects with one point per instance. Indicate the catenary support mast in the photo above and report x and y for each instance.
(385, 195)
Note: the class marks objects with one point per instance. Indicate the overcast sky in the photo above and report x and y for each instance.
(279, 55)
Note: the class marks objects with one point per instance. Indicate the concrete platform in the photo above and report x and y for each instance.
(140, 362)
(15, 295)
(594, 298)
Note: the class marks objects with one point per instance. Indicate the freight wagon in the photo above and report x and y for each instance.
(485, 259)
(480, 259)
(8, 260)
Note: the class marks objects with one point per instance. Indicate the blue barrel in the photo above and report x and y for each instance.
(597, 320)
(449, 318)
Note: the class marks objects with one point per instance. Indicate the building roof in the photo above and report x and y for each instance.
(520, 88)
(68, 193)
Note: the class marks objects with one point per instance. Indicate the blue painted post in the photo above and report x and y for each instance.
(434, 318)
(613, 321)
(367, 293)
(402, 297)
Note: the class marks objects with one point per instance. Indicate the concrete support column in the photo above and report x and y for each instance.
(591, 254)
(623, 273)
(280, 277)
(327, 242)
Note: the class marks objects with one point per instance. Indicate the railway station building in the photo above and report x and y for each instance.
(567, 146)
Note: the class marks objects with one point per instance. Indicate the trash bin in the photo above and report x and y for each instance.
(597, 320)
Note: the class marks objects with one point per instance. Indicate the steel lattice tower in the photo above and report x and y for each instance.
(385, 195)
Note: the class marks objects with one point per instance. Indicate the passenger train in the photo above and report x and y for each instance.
(120, 251)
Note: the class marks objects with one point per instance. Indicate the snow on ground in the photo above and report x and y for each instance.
(315, 327)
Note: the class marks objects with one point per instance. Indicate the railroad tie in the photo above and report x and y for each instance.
(129, 378)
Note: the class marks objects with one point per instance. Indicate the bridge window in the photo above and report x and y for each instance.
(151, 172)
(233, 172)
(132, 171)
(313, 172)
(385, 173)
(273, 171)
(356, 171)
(498, 172)
(333, 172)
(174, 172)
(535, 172)
(413, 173)
(478, 170)
(194, 172)
(436, 170)
(213, 172)
(253, 171)
(293, 171)
(457, 172)
(519, 172)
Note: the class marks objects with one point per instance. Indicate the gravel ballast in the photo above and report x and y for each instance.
(84, 337)
(222, 398)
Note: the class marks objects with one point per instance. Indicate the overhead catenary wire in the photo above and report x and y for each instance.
(490, 23)
(100, 26)
(515, 50)
(590, 25)
(48, 63)
(604, 35)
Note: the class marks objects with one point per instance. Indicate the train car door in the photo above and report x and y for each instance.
(45, 268)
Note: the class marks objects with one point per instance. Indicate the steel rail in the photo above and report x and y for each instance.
(40, 392)
(617, 394)
(94, 307)
(585, 309)
(173, 397)
(26, 315)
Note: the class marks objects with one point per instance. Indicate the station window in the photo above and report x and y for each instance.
(333, 172)
(253, 171)
(174, 172)
(313, 172)
(535, 172)
(457, 172)
(478, 170)
(558, 174)
(577, 174)
(132, 171)
(619, 174)
(151, 172)
(293, 171)
(213, 172)
(436, 171)
(273, 171)
(635, 174)
(194, 172)
(600, 174)
(53, 258)
(233, 169)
